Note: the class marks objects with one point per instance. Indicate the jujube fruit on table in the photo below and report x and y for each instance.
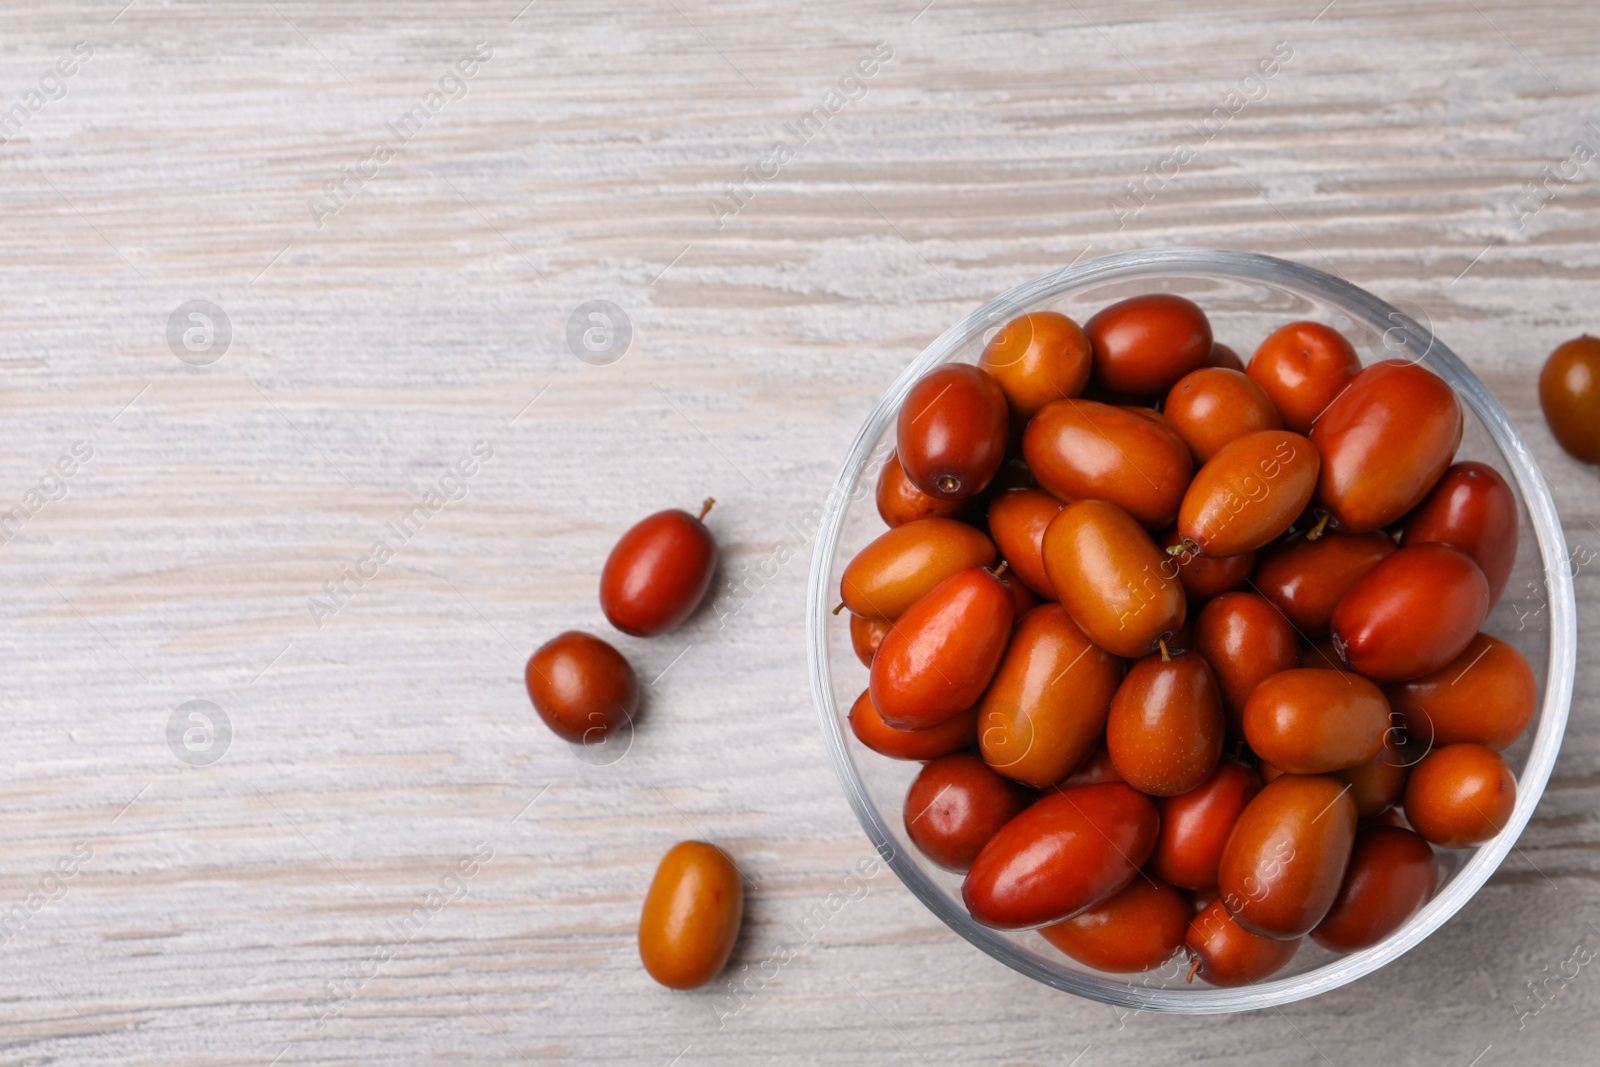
(658, 572)
(1247, 494)
(691, 915)
(1038, 357)
(1569, 394)
(1144, 344)
(1411, 614)
(1164, 730)
(1139, 929)
(902, 565)
(1211, 406)
(581, 687)
(956, 805)
(951, 434)
(1302, 367)
(1392, 873)
(937, 659)
(1460, 795)
(1081, 449)
(1316, 721)
(1284, 861)
(1120, 589)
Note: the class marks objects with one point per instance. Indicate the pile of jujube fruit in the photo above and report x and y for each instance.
(1190, 650)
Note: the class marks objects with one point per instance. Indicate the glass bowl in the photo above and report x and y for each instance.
(1246, 296)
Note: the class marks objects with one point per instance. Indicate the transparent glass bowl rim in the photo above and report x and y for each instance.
(1534, 493)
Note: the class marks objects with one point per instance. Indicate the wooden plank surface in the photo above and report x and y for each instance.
(398, 292)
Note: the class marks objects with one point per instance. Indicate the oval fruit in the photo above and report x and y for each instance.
(903, 564)
(1460, 795)
(1251, 491)
(1120, 589)
(691, 915)
(1378, 784)
(1486, 696)
(1204, 577)
(1046, 708)
(1301, 368)
(1284, 861)
(1569, 395)
(900, 502)
(938, 658)
(1144, 344)
(1307, 578)
(658, 572)
(1211, 406)
(866, 635)
(1038, 357)
(1392, 873)
(1164, 732)
(1315, 721)
(1017, 521)
(1195, 826)
(1471, 509)
(581, 687)
(1246, 640)
(1096, 769)
(1061, 856)
(1385, 442)
(1137, 930)
(1081, 449)
(956, 805)
(1411, 614)
(951, 434)
(1226, 954)
(952, 735)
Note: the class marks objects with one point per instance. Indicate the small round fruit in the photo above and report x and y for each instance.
(937, 659)
(1378, 784)
(1460, 795)
(658, 573)
(1081, 449)
(951, 435)
(1120, 589)
(1226, 954)
(1144, 344)
(1137, 930)
(900, 502)
(1411, 614)
(581, 687)
(1569, 393)
(1471, 509)
(1247, 494)
(1038, 357)
(1392, 873)
(1307, 578)
(1246, 640)
(1301, 368)
(1225, 357)
(1064, 854)
(956, 805)
(866, 635)
(1211, 406)
(1284, 861)
(1164, 731)
(1486, 696)
(952, 735)
(903, 564)
(1314, 721)
(1017, 521)
(691, 915)
(1195, 826)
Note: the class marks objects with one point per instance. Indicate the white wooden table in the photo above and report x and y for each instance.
(290, 891)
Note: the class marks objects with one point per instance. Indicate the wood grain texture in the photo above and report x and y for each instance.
(375, 750)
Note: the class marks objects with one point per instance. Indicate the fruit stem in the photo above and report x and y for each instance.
(1194, 969)
(839, 608)
(998, 571)
(1322, 524)
(705, 509)
(1166, 657)
(1183, 548)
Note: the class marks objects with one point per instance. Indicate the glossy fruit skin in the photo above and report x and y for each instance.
(1378, 784)
(956, 805)
(1023, 599)
(1316, 721)
(1392, 873)
(1225, 357)
(1302, 367)
(1229, 954)
(1038, 357)
(1066, 853)
(691, 915)
(1472, 509)
(952, 735)
(900, 502)
(1385, 442)
(1017, 521)
(866, 635)
(1569, 394)
(1081, 449)
(903, 564)
(1120, 589)
(951, 435)
(1411, 614)
(1164, 732)
(1486, 696)
(1139, 929)
(1307, 579)
(658, 573)
(1195, 826)
(1460, 795)
(1096, 769)
(1046, 708)
(938, 658)
(581, 687)
(1247, 494)
(1144, 344)
(1204, 577)
(1285, 860)
(1246, 640)
(1211, 406)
